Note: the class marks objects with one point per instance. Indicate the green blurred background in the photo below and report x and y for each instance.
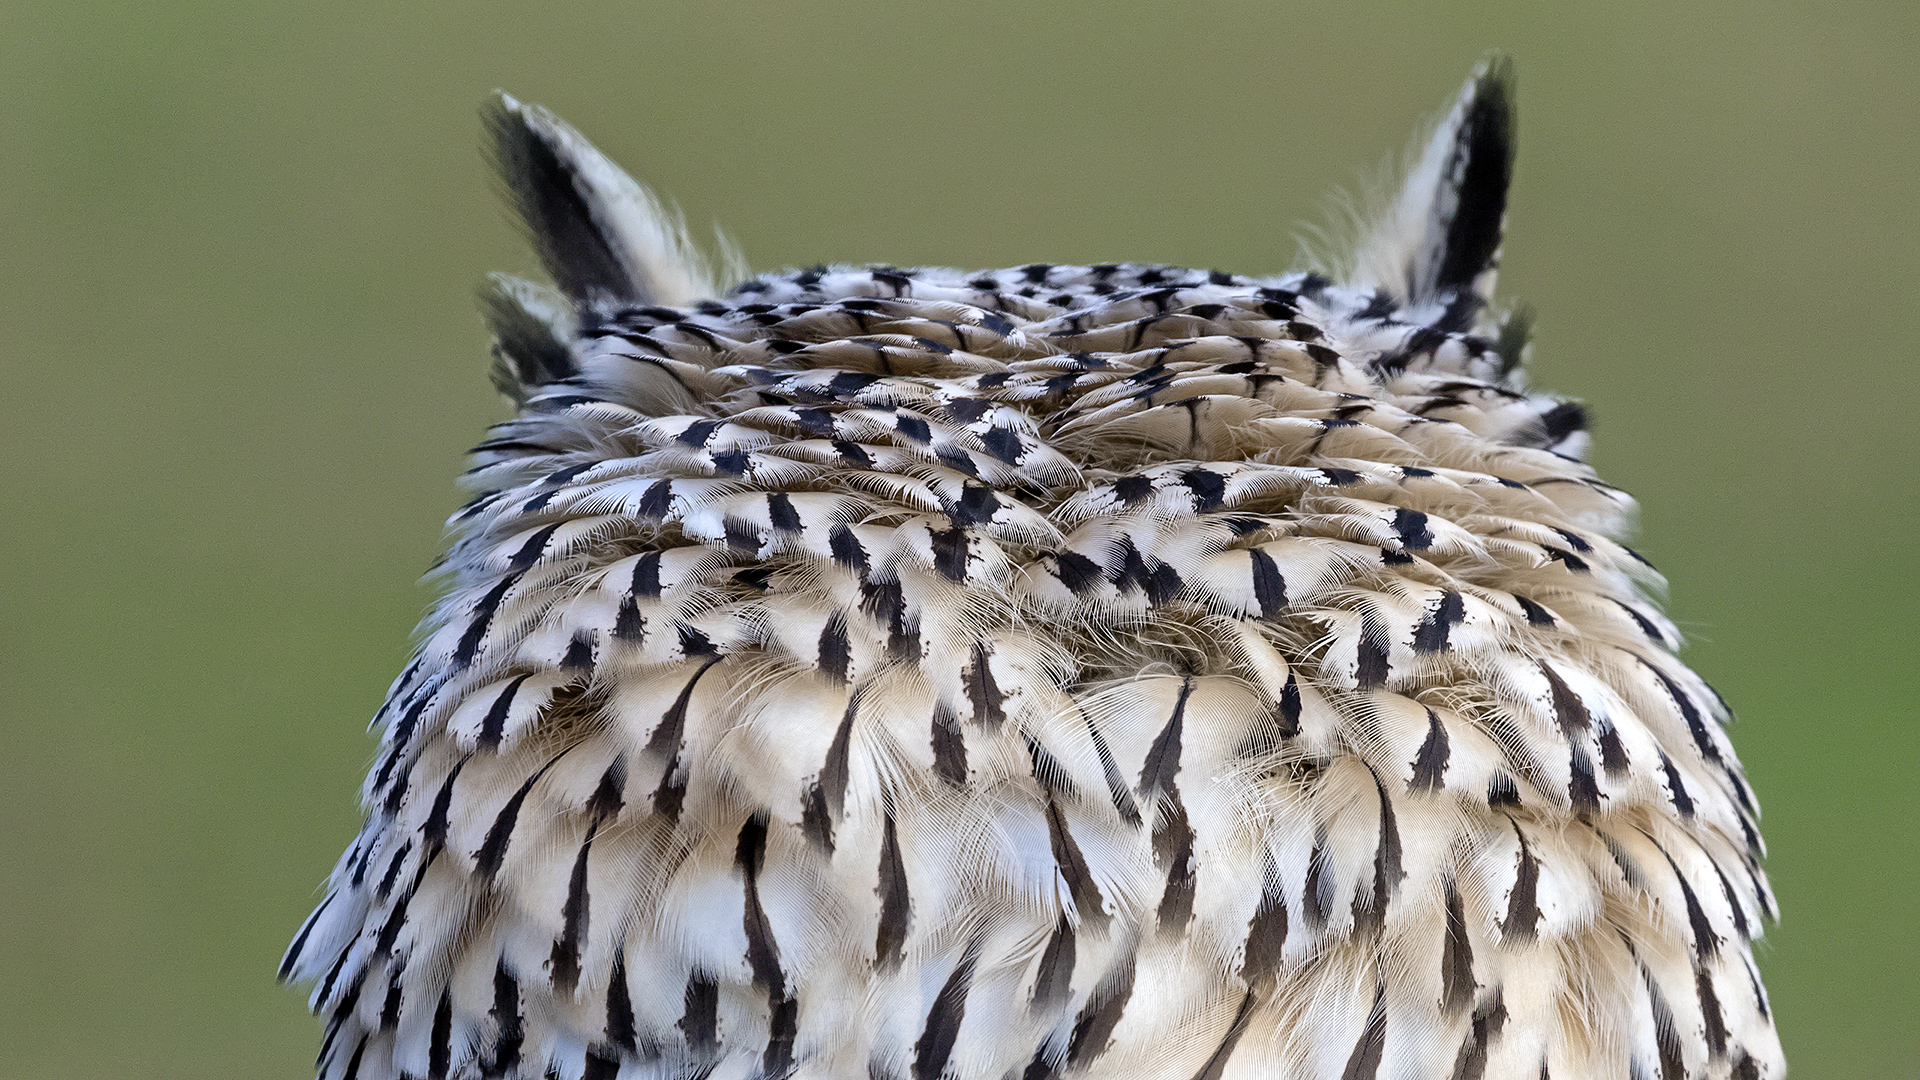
(241, 362)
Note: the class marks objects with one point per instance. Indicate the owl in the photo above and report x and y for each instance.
(1115, 672)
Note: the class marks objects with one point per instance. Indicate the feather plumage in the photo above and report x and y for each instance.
(1111, 671)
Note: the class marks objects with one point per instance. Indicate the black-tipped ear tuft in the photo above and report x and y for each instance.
(540, 162)
(1442, 234)
(531, 326)
(1479, 170)
(603, 237)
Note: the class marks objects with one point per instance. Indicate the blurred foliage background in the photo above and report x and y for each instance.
(242, 361)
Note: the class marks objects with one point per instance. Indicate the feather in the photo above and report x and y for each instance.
(1118, 670)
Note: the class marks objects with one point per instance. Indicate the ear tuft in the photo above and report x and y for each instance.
(602, 236)
(531, 326)
(1442, 235)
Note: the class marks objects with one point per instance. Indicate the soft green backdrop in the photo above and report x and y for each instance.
(237, 243)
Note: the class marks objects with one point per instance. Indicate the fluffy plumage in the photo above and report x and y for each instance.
(1110, 671)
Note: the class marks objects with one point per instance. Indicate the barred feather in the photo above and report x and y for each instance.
(1112, 671)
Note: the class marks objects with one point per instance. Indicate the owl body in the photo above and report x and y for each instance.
(1116, 671)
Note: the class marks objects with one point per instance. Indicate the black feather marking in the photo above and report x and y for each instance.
(834, 769)
(608, 796)
(1117, 791)
(1364, 1062)
(1173, 849)
(1456, 956)
(1269, 588)
(621, 1029)
(1488, 1020)
(740, 535)
(493, 725)
(385, 888)
(1564, 419)
(666, 739)
(1684, 701)
(950, 553)
(1582, 789)
(890, 939)
(982, 690)
(598, 1066)
(912, 428)
(1759, 992)
(935, 1045)
(1501, 791)
(834, 651)
(300, 940)
(628, 624)
(1706, 943)
(1413, 529)
(1002, 443)
(1162, 764)
(1430, 634)
(783, 1030)
(1053, 984)
(1647, 629)
(1209, 488)
(1077, 572)
(852, 453)
(700, 1022)
(1536, 615)
(1266, 931)
(1523, 908)
(390, 1008)
(353, 1063)
(1716, 1021)
(580, 652)
(1387, 869)
(846, 549)
(815, 823)
(949, 747)
(1733, 902)
(763, 954)
(435, 830)
(886, 602)
(564, 960)
(781, 513)
(646, 576)
(440, 1044)
(1133, 489)
(1289, 708)
(493, 850)
(481, 618)
(531, 551)
(1666, 1033)
(1567, 558)
(1087, 898)
(977, 503)
(1370, 657)
(1093, 1028)
(657, 501)
(1482, 159)
(1682, 801)
(1430, 765)
(1217, 1062)
(1047, 770)
(1613, 753)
